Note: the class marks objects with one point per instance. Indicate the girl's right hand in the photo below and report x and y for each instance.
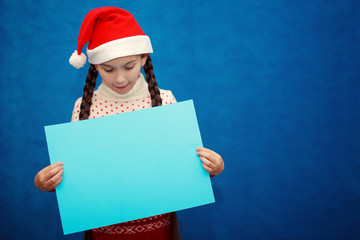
(50, 177)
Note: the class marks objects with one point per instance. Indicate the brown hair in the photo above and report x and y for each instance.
(152, 85)
(91, 83)
(88, 93)
(155, 101)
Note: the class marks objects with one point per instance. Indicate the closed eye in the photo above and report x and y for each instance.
(129, 68)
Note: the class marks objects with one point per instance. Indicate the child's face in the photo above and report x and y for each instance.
(120, 74)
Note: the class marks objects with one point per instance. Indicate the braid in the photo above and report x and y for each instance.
(88, 93)
(156, 101)
(152, 84)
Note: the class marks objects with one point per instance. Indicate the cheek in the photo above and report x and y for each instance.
(106, 78)
(102, 73)
(134, 75)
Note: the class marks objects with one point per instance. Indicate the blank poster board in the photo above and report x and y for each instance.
(128, 166)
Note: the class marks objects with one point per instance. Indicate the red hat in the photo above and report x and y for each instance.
(112, 33)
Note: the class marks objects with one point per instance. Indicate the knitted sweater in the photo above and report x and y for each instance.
(108, 102)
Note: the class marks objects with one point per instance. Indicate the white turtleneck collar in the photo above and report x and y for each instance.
(139, 90)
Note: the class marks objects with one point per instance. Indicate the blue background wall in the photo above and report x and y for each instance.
(276, 88)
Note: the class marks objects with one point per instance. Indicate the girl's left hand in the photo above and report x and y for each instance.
(211, 161)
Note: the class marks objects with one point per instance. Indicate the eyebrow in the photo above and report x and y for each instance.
(106, 65)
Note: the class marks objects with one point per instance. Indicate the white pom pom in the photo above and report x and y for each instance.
(78, 61)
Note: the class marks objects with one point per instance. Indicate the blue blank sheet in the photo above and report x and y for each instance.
(128, 166)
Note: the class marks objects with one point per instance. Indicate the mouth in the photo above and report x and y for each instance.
(122, 86)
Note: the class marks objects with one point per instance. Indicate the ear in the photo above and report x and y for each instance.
(143, 59)
(96, 67)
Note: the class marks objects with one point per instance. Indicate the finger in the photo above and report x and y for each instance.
(206, 154)
(211, 155)
(57, 183)
(52, 181)
(202, 149)
(207, 162)
(52, 172)
(208, 169)
(52, 166)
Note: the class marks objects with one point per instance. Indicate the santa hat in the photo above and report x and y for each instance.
(112, 33)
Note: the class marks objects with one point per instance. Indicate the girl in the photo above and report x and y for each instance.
(117, 50)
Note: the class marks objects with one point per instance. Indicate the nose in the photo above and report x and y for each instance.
(119, 78)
